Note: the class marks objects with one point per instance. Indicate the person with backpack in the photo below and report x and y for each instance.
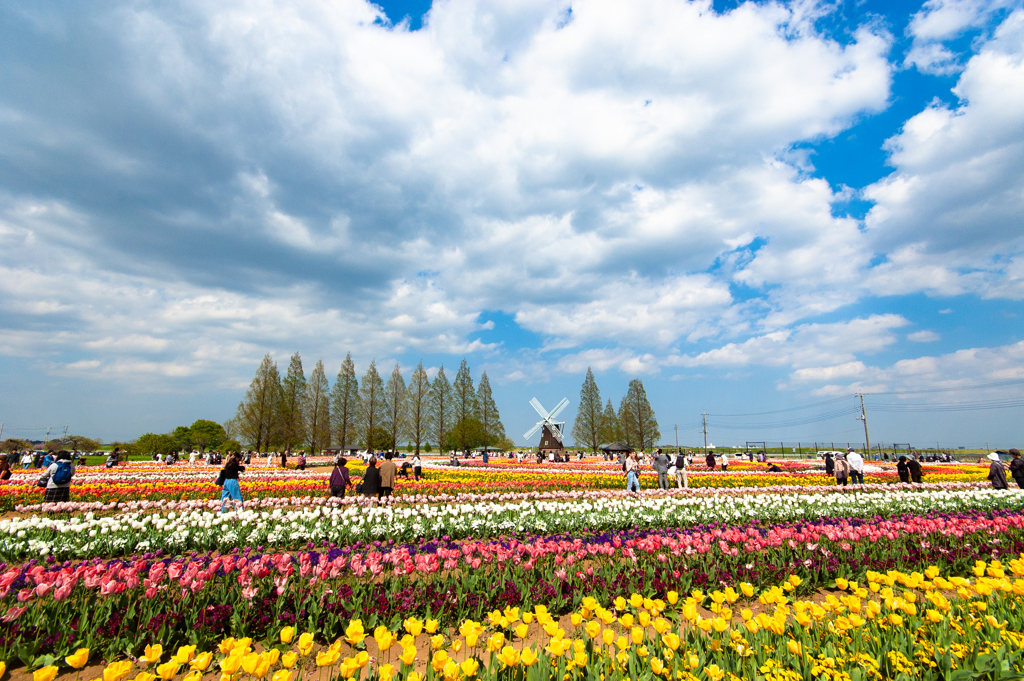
(842, 470)
(57, 479)
(680, 466)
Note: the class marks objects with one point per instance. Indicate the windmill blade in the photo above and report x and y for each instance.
(556, 431)
(533, 430)
(559, 407)
(539, 408)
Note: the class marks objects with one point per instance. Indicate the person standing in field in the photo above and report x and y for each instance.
(632, 473)
(856, 462)
(58, 479)
(660, 464)
(996, 473)
(830, 464)
(5, 468)
(340, 480)
(681, 470)
(725, 462)
(915, 470)
(417, 466)
(903, 469)
(229, 481)
(371, 479)
(710, 460)
(388, 470)
(1017, 467)
(842, 470)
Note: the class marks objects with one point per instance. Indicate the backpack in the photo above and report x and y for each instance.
(623, 465)
(62, 475)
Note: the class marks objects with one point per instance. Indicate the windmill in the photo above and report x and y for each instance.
(551, 436)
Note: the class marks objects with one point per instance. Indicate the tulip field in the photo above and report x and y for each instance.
(513, 570)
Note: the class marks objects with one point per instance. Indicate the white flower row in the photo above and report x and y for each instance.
(88, 535)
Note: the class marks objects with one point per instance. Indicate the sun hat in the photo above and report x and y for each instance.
(993, 456)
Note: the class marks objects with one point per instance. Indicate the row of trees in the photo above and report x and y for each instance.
(635, 424)
(203, 434)
(292, 411)
(71, 442)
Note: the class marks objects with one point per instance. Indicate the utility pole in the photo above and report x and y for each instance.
(676, 426)
(704, 427)
(2, 429)
(64, 439)
(46, 438)
(864, 417)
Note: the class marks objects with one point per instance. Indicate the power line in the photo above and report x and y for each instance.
(981, 405)
(809, 405)
(997, 384)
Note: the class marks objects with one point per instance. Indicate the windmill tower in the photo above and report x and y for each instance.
(551, 430)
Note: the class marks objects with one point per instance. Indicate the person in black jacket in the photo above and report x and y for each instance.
(371, 479)
(830, 464)
(1017, 467)
(229, 480)
(903, 469)
(915, 470)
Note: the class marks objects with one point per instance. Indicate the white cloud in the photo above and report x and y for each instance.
(923, 336)
(942, 20)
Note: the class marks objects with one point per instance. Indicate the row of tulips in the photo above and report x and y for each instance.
(928, 624)
(194, 599)
(126, 533)
(125, 484)
(263, 503)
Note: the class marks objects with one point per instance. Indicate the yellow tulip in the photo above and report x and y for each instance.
(430, 626)
(230, 664)
(529, 657)
(436, 642)
(576, 618)
(509, 656)
(413, 626)
(673, 597)
(226, 646)
(671, 640)
(661, 625)
(636, 600)
(408, 655)
(168, 670)
(306, 644)
(626, 620)
(348, 668)
(451, 670)
(282, 675)
(747, 589)
(44, 674)
(202, 661)
(637, 635)
(145, 676)
(470, 667)
(3, 669)
(327, 659)
(414, 676)
(386, 671)
(249, 662)
(608, 636)
(115, 671)
(243, 646)
(592, 628)
(495, 642)
(713, 672)
(194, 675)
(354, 633)
(287, 634)
(457, 645)
(794, 647)
(657, 666)
(185, 654)
(153, 654)
(644, 618)
(620, 603)
(77, 660)
(439, 660)
(522, 630)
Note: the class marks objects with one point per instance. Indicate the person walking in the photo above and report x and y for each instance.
(1017, 467)
(842, 470)
(58, 479)
(903, 470)
(915, 471)
(725, 462)
(660, 464)
(996, 473)
(228, 478)
(388, 470)
(681, 480)
(417, 466)
(710, 460)
(371, 479)
(284, 459)
(856, 462)
(340, 480)
(632, 473)
(830, 464)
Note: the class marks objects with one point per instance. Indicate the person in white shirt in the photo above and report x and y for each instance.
(725, 462)
(193, 455)
(856, 462)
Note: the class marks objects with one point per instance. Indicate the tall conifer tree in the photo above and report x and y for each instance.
(636, 417)
(465, 409)
(317, 410)
(610, 431)
(292, 424)
(256, 418)
(345, 405)
(395, 407)
(441, 408)
(418, 402)
(490, 419)
(371, 407)
(586, 430)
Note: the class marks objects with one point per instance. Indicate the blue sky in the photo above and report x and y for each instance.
(749, 206)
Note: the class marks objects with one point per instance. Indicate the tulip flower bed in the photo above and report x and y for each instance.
(914, 619)
(183, 482)
(85, 536)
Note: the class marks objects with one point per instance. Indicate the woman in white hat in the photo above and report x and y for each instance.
(996, 474)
